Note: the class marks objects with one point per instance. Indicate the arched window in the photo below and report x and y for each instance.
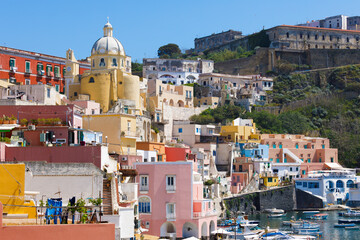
(91, 80)
(339, 184)
(287, 35)
(144, 205)
(114, 62)
(329, 185)
(102, 63)
(350, 184)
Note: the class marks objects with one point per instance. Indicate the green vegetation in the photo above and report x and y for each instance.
(221, 56)
(136, 67)
(260, 39)
(221, 114)
(170, 50)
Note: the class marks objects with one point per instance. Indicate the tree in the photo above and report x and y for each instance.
(171, 50)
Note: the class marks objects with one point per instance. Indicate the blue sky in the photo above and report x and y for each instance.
(51, 27)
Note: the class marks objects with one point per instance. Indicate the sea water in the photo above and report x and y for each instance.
(326, 226)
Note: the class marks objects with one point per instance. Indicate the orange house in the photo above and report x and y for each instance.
(153, 146)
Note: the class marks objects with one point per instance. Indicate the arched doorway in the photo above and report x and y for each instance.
(189, 230)
(211, 227)
(168, 230)
(180, 103)
(204, 231)
(171, 102)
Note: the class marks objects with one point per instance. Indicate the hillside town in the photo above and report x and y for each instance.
(91, 149)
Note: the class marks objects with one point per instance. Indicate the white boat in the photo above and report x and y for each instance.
(274, 211)
(245, 222)
(283, 236)
(246, 234)
(277, 215)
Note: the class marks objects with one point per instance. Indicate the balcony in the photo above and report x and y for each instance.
(171, 216)
(41, 72)
(27, 71)
(57, 75)
(197, 215)
(50, 74)
(170, 188)
(144, 188)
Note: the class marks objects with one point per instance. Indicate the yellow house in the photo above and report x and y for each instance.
(269, 181)
(12, 190)
(241, 130)
(119, 131)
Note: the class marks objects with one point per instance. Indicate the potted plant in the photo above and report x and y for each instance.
(48, 121)
(1, 120)
(12, 119)
(57, 121)
(41, 121)
(24, 122)
(6, 120)
(34, 121)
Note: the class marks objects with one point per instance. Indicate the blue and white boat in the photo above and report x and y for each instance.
(344, 225)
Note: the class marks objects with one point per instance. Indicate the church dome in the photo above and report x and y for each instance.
(108, 44)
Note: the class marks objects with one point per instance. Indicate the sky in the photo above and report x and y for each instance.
(52, 27)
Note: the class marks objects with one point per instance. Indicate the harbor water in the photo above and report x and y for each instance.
(326, 226)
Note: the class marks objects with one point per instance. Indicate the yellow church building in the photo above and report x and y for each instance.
(109, 79)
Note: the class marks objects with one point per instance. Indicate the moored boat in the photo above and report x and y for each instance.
(344, 225)
(356, 221)
(320, 216)
(310, 212)
(278, 215)
(274, 211)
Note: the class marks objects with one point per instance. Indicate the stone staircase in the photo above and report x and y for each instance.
(107, 200)
(253, 185)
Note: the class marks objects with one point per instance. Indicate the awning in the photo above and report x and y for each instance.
(334, 166)
(7, 127)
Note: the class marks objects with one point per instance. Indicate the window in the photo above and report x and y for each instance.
(170, 183)
(102, 62)
(270, 179)
(323, 37)
(56, 71)
(305, 184)
(280, 145)
(339, 184)
(290, 169)
(114, 62)
(144, 205)
(274, 145)
(301, 35)
(308, 160)
(48, 69)
(323, 146)
(297, 169)
(330, 38)
(287, 35)
(153, 159)
(332, 159)
(308, 36)
(285, 160)
(27, 81)
(347, 39)
(350, 184)
(319, 159)
(305, 146)
(214, 153)
(197, 130)
(170, 211)
(57, 87)
(64, 70)
(75, 94)
(27, 66)
(180, 130)
(298, 183)
(316, 37)
(144, 183)
(271, 159)
(12, 62)
(313, 185)
(40, 68)
(277, 160)
(48, 92)
(303, 173)
(91, 80)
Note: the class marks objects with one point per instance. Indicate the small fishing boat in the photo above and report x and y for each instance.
(352, 228)
(243, 222)
(310, 212)
(278, 215)
(356, 221)
(274, 211)
(344, 225)
(319, 216)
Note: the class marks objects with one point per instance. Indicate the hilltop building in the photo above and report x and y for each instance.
(176, 71)
(214, 40)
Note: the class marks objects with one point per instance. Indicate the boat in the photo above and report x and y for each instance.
(319, 216)
(351, 213)
(310, 212)
(279, 235)
(277, 215)
(356, 221)
(243, 222)
(246, 234)
(308, 231)
(274, 211)
(344, 225)
(352, 228)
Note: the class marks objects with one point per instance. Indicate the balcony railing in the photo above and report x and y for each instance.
(170, 188)
(204, 214)
(170, 216)
(144, 188)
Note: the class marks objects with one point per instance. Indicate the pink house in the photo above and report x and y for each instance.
(171, 202)
(312, 153)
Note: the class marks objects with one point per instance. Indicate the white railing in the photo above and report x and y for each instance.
(204, 214)
(170, 216)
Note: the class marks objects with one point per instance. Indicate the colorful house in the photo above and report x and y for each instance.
(241, 130)
(171, 202)
(12, 191)
(268, 180)
(159, 148)
(119, 131)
